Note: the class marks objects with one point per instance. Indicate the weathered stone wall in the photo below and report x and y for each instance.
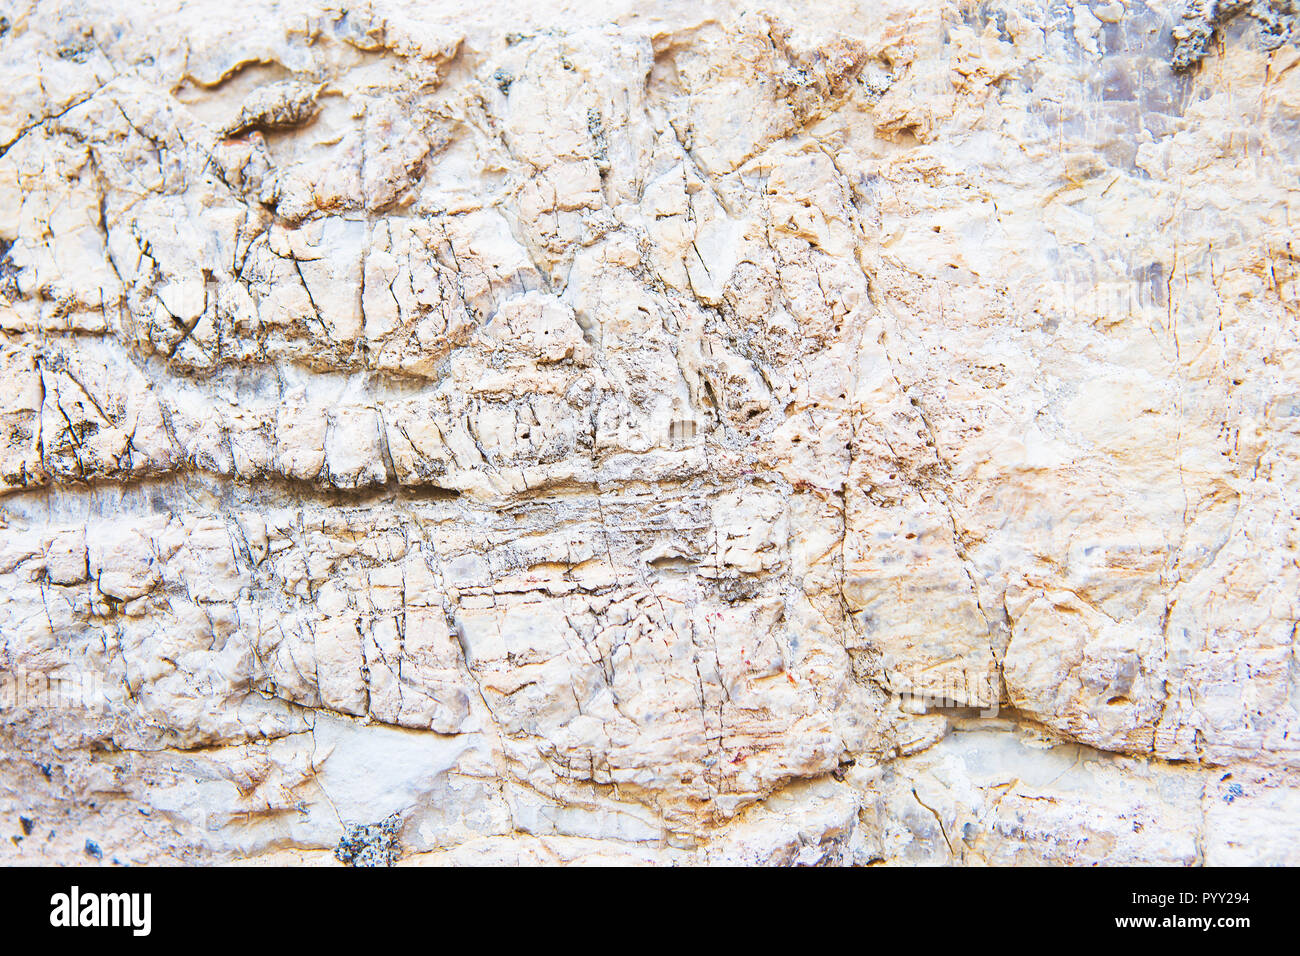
(663, 432)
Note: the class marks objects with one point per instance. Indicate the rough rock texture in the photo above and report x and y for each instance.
(624, 432)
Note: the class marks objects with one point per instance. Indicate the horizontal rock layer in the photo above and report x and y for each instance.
(654, 433)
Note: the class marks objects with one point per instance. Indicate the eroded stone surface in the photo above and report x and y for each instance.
(716, 434)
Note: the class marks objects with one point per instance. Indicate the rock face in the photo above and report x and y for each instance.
(815, 433)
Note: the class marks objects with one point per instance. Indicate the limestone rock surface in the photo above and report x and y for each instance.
(679, 432)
